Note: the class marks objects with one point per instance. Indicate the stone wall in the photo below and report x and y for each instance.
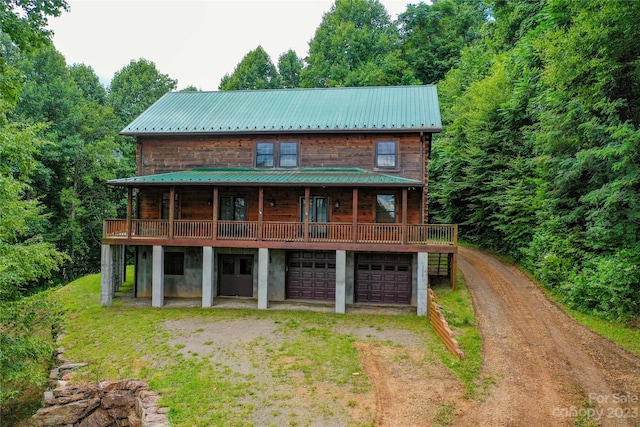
(110, 403)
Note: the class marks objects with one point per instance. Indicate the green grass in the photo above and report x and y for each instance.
(625, 334)
(317, 355)
(457, 308)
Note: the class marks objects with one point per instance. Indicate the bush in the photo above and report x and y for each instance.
(28, 331)
(609, 287)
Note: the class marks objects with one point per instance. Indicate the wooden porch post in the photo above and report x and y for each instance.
(404, 216)
(260, 211)
(129, 211)
(307, 196)
(354, 221)
(214, 204)
(172, 206)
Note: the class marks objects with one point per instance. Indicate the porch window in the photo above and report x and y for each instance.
(386, 208)
(174, 263)
(386, 155)
(166, 202)
(233, 209)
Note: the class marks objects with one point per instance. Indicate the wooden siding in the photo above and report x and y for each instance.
(172, 154)
(196, 203)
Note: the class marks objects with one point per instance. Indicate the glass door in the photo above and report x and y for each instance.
(318, 213)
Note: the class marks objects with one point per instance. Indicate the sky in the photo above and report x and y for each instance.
(196, 42)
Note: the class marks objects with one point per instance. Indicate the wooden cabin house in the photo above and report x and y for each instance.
(298, 194)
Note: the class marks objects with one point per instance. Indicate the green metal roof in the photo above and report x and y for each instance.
(354, 109)
(313, 177)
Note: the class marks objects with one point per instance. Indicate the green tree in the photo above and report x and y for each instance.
(255, 71)
(289, 68)
(356, 45)
(135, 87)
(25, 21)
(83, 153)
(541, 159)
(88, 83)
(433, 35)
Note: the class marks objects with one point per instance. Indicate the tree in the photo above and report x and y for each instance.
(88, 83)
(289, 68)
(25, 21)
(433, 36)
(135, 87)
(83, 153)
(355, 45)
(255, 71)
(540, 159)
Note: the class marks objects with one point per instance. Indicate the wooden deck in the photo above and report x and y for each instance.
(278, 234)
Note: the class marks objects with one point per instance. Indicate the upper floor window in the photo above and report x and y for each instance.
(265, 154)
(288, 154)
(276, 155)
(386, 155)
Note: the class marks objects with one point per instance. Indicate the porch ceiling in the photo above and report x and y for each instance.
(312, 177)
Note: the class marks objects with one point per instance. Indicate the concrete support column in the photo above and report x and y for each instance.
(157, 277)
(422, 283)
(263, 278)
(208, 274)
(106, 282)
(341, 281)
(118, 265)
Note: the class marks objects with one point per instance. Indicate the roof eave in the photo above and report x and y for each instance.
(263, 184)
(286, 131)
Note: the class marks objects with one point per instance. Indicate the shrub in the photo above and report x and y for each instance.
(28, 330)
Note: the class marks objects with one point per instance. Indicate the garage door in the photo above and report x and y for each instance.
(311, 275)
(383, 278)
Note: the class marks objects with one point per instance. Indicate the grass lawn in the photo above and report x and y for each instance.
(297, 368)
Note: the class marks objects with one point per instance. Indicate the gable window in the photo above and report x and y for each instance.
(174, 263)
(276, 154)
(288, 155)
(233, 208)
(386, 208)
(386, 155)
(265, 154)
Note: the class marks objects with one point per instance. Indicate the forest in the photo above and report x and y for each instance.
(539, 159)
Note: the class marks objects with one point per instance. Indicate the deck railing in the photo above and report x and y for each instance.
(413, 234)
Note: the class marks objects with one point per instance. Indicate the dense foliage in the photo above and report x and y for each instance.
(541, 155)
(58, 146)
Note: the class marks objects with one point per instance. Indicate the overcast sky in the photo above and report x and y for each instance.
(195, 42)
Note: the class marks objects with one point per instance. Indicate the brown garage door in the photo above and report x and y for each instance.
(383, 278)
(311, 275)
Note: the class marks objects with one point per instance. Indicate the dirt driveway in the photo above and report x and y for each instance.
(547, 368)
(541, 368)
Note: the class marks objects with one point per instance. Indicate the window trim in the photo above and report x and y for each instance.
(277, 155)
(377, 154)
